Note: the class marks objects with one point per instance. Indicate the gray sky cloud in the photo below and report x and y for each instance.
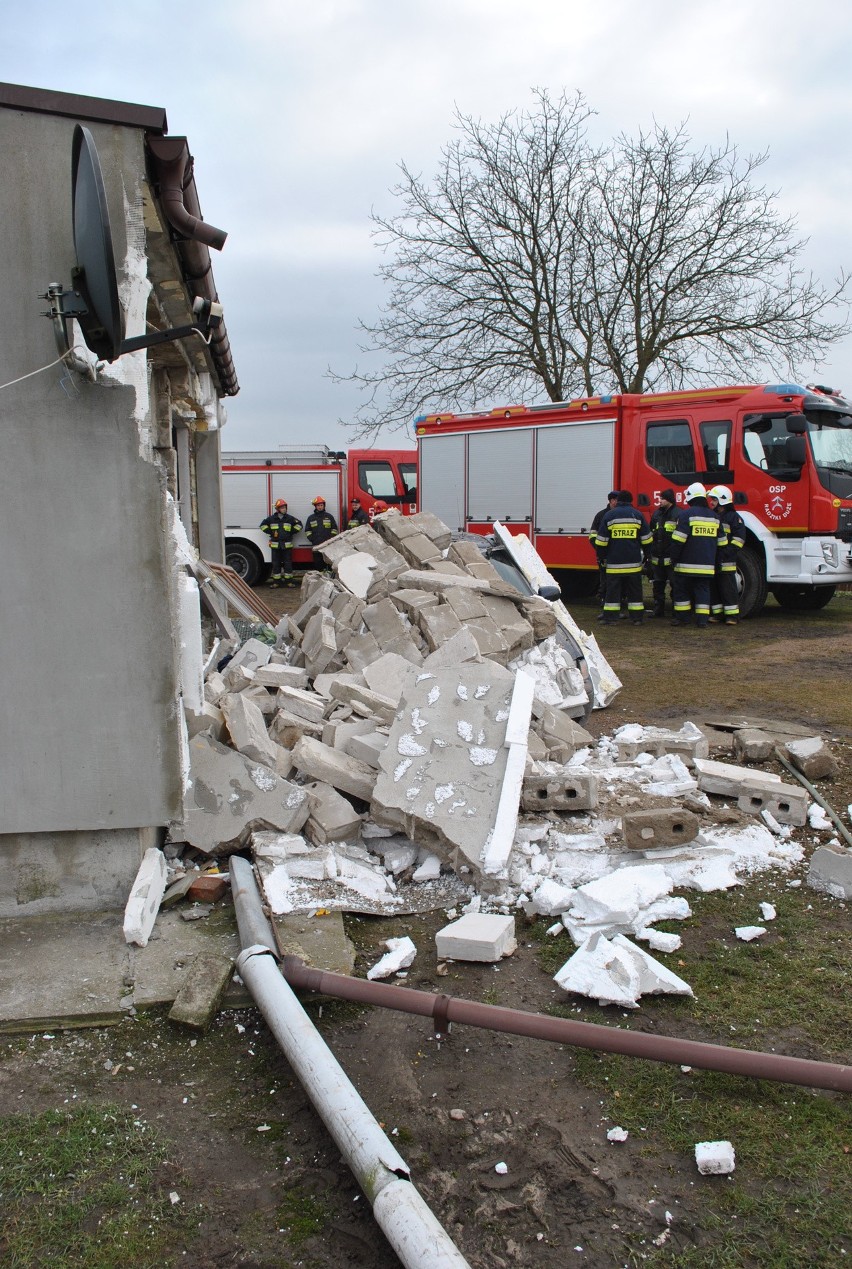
(298, 116)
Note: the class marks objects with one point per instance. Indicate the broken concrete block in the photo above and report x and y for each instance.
(787, 803)
(319, 762)
(397, 853)
(253, 653)
(237, 677)
(479, 936)
(749, 744)
(202, 990)
(247, 729)
(515, 628)
(562, 790)
(361, 650)
(388, 675)
(830, 871)
(458, 649)
(281, 676)
(229, 795)
(367, 747)
(386, 625)
(727, 780)
(812, 757)
(557, 728)
(145, 897)
(419, 551)
(302, 703)
(320, 595)
(286, 728)
(464, 553)
(541, 616)
(468, 605)
(436, 583)
(382, 706)
(262, 698)
(332, 818)
(411, 602)
(689, 742)
(652, 830)
(355, 572)
(438, 624)
(210, 719)
(400, 529)
(443, 769)
(490, 639)
(319, 642)
(215, 687)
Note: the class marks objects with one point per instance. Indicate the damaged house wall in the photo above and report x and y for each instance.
(92, 763)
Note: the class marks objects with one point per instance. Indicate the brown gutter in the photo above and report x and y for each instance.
(175, 187)
(584, 1035)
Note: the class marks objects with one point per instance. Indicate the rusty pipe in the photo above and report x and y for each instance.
(585, 1035)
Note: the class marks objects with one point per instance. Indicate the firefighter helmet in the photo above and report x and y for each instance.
(379, 507)
(319, 501)
(722, 494)
(695, 490)
(280, 503)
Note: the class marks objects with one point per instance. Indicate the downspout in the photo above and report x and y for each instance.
(410, 1227)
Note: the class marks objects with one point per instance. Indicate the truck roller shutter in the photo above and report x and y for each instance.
(500, 475)
(574, 466)
(244, 494)
(441, 479)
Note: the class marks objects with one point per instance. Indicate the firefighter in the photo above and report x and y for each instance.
(357, 515)
(660, 565)
(319, 527)
(623, 539)
(697, 533)
(281, 529)
(726, 600)
(611, 502)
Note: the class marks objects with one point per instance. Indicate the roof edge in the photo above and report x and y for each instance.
(97, 109)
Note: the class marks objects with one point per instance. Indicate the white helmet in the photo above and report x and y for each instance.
(722, 494)
(695, 490)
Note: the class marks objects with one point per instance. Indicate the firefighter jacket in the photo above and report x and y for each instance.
(593, 531)
(320, 526)
(357, 517)
(697, 533)
(281, 528)
(622, 538)
(735, 536)
(662, 524)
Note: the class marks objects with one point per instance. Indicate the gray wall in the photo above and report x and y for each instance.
(87, 677)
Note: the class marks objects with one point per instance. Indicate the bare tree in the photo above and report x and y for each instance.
(535, 263)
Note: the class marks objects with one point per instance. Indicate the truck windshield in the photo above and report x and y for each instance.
(830, 436)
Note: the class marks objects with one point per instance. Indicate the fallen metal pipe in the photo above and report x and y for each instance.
(409, 1225)
(817, 797)
(584, 1035)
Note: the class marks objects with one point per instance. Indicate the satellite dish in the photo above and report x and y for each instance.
(93, 299)
(103, 324)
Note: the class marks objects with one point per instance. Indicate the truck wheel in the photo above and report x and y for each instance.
(244, 560)
(803, 598)
(751, 582)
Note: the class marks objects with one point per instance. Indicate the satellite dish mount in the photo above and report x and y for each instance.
(93, 296)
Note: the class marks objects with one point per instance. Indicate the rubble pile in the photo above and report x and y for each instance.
(412, 741)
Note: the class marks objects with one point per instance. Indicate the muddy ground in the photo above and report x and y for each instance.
(257, 1175)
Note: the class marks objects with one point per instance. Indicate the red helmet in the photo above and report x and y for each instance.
(379, 507)
(315, 502)
(280, 503)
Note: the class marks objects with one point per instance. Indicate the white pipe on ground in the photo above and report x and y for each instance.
(410, 1227)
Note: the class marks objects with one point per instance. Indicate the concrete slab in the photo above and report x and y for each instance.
(81, 973)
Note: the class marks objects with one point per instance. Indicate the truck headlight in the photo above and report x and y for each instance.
(829, 553)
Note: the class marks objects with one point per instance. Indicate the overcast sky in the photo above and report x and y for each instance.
(298, 115)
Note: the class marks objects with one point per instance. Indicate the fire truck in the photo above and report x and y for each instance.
(253, 481)
(785, 451)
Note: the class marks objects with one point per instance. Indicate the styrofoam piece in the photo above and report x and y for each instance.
(715, 1158)
(616, 971)
(428, 870)
(477, 936)
(620, 896)
(500, 841)
(191, 652)
(748, 933)
(767, 911)
(658, 940)
(400, 954)
(144, 902)
(617, 1134)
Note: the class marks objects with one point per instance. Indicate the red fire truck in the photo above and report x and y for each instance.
(252, 481)
(785, 452)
